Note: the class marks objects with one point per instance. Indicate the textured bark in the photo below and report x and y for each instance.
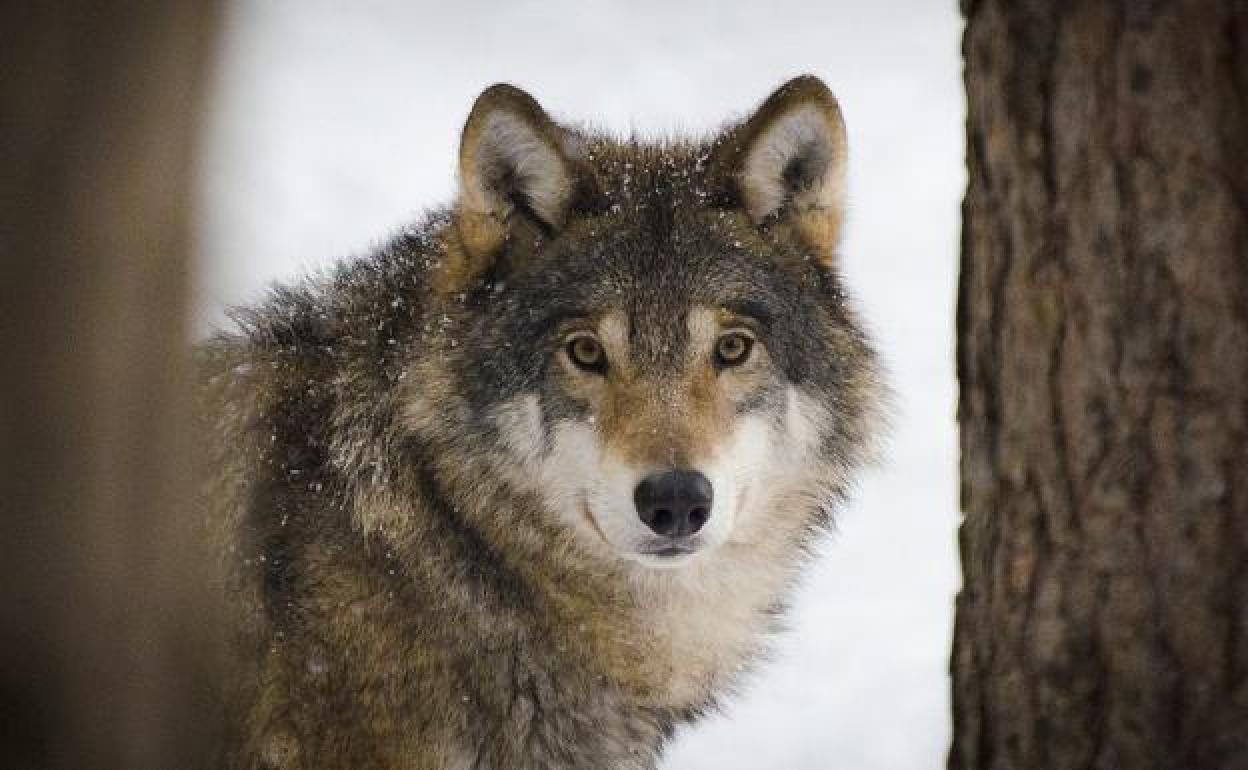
(1103, 367)
(106, 653)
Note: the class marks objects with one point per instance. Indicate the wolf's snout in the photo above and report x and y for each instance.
(674, 503)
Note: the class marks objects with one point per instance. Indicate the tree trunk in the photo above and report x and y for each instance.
(107, 653)
(1103, 367)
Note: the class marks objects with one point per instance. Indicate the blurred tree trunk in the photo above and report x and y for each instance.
(1103, 366)
(107, 649)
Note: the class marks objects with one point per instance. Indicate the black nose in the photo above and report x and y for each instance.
(674, 503)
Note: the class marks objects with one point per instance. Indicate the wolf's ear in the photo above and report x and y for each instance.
(517, 171)
(787, 163)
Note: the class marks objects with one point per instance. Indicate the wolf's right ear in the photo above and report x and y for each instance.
(518, 175)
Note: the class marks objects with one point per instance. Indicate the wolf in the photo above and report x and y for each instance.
(529, 486)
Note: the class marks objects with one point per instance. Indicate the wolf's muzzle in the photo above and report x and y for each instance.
(674, 503)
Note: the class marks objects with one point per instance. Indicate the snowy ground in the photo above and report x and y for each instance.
(335, 123)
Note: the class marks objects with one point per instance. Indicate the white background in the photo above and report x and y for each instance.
(334, 123)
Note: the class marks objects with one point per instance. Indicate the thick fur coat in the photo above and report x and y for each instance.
(428, 464)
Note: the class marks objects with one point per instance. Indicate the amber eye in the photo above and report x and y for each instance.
(587, 353)
(733, 349)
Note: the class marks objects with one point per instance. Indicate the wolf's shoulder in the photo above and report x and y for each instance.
(340, 317)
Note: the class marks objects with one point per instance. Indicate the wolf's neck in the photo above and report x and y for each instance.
(670, 639)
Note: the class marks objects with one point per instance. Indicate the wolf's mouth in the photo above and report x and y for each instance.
(671, 551)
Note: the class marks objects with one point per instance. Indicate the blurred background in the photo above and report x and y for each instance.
(332, 124)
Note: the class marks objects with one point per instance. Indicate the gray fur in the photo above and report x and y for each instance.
(404, 597)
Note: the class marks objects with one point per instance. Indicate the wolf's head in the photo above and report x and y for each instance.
(650, 338)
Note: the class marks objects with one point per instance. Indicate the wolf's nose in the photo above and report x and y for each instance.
(674, 503)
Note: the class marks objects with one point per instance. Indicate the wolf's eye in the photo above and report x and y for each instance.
(587, 353)
(733, 349)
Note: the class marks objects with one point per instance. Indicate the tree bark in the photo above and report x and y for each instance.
(107, 642)
(1103, 367)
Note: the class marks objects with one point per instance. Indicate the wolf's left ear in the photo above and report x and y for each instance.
(519, 176)
(787, 163)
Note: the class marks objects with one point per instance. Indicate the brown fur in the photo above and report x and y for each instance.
(421, 578)
(811, 220)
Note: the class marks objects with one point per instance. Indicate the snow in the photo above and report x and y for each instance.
(336, 123)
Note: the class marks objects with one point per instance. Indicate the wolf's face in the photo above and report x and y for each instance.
(654, 335)
(668, 403)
